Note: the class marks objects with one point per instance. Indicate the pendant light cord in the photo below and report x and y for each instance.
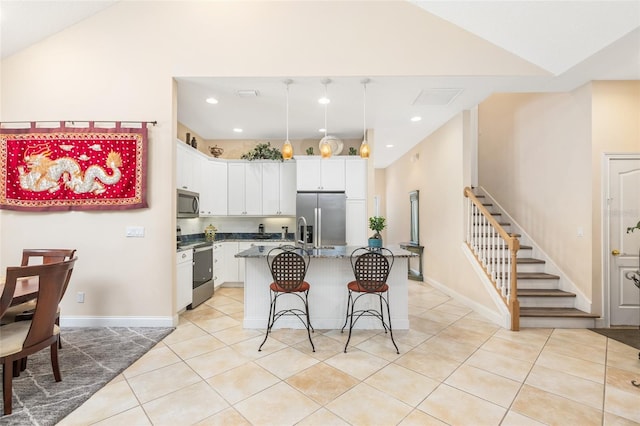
(288, 111)
(364, 111)
(325, 110)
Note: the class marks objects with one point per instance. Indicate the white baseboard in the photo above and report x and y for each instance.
(71, 321)
(500, 319)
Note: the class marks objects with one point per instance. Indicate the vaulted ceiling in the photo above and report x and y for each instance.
(562, 44)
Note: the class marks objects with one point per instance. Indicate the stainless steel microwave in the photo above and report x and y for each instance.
(188, 203)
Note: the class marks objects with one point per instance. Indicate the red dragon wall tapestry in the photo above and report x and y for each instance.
(47, 169)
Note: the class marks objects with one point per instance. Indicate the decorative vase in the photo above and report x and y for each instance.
(194, 143)
(210, 232)
(375, 242)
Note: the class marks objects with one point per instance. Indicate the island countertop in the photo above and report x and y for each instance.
(337, 252)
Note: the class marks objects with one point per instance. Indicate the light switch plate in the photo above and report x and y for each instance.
(135, 231)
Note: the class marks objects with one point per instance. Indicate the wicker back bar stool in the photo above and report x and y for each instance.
(371, 268)
(288, 266)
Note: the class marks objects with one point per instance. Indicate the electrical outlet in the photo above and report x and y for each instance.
(80, 297)
(134, 231)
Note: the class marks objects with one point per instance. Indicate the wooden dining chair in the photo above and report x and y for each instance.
(24, 311)
(23, 338)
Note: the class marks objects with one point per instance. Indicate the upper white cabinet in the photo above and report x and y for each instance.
(356, 177)
(245, 188)
(187, 167)
(213, 188)
(279, 188)
(317, 174)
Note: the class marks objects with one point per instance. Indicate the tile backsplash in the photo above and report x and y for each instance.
(236, 224)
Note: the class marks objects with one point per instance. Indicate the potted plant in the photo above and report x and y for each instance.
(263, 151)
(377, 224)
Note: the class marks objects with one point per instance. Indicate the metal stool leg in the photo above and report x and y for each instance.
(309, 326)
(390, 329)
(270, 320)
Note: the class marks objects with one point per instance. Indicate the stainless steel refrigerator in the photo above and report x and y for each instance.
(325, 215)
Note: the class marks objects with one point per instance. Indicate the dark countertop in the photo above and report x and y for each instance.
(338, 252)
(194, 240)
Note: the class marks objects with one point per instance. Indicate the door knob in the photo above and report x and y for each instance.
(615, 252)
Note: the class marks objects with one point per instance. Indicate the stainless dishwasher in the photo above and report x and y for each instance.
(202, 274)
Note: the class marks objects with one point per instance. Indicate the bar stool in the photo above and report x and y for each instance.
(288, 266)
(371, 268)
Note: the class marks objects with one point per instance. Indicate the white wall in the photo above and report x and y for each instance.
(439, 173)
(119, 64)
(615, 129)
(535, 160)
(541, 156)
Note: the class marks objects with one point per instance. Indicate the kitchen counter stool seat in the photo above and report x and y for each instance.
(288, 266)
(371, 268)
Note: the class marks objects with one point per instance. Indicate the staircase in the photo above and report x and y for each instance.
(542, 302)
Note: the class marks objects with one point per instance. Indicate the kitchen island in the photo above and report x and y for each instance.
(328, 274)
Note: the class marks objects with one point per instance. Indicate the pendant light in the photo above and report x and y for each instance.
(287, 149)
(364, 146)
(325, 147)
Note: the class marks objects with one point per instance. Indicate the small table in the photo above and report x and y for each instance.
(412, 274)
(26, 289)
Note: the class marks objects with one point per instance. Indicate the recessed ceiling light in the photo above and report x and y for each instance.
(212, 101)
(322, 130)
(416, 118)
(324, 100)
(237, 130)
(389, 145)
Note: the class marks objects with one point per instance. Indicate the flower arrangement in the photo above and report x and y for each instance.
(633, 228)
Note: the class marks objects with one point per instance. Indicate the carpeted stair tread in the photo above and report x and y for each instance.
(529, 261)
(543, 292)
(555, 312)
(536, 276)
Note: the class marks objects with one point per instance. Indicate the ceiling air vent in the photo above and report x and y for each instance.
(247, 93)
(436, 97)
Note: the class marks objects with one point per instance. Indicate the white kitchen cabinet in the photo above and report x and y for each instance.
(357, 223)
(355, 177)
(213, 188)
(184, 279)
(314, 173)
(244, 188)
(187, 167)
(231, 268)
(218, 265)
(279, 188)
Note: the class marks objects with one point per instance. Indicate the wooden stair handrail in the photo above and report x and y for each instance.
(513, 243)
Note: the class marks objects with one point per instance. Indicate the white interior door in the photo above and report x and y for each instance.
(624, 212)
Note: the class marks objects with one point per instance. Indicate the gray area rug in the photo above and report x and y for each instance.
(628, 336)
(89, 358)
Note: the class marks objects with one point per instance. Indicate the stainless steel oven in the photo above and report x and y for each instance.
(202, 274)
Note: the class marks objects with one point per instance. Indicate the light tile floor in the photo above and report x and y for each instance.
(454, 368)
